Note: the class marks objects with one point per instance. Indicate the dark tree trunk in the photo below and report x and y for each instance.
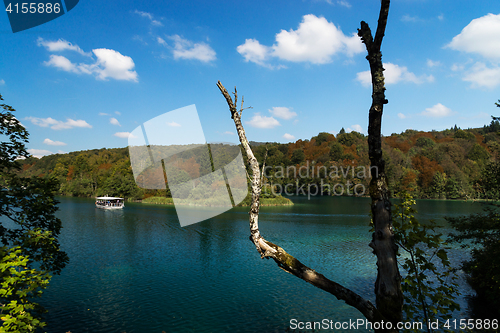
(269, 250)
(388, 284)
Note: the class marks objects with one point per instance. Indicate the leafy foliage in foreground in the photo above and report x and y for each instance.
(429, 286)
(28, 232)
(481, 233)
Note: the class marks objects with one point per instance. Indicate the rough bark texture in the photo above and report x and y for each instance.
(388, 284)
(270, 250)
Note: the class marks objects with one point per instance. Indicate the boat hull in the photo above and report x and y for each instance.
(109, 207)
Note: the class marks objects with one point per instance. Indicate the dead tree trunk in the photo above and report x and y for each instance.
(278, 254)
(388, 284)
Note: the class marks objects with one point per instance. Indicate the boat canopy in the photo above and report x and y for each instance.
(108, 198)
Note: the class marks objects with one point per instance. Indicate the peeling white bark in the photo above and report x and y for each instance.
(278, 254)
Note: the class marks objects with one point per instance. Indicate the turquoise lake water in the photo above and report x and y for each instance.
(137, 270)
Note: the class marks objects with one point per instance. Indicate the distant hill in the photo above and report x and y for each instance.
(453, 164)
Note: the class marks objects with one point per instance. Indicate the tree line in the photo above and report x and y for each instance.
(451, 164)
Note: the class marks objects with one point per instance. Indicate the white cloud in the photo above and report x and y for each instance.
(109, 63)
(316, 41)
(355, 128)
(408, 18)
(263, 121)
(39, 153)
(185, 49)
(480, 36)
(339, 2)
(114, 121)
(440, 17)
(103, 114)
(229, 133)
(161, 41)
(394, 74)
(288, 136)
(173, 124)
(150, 17)
(457, 67)
(344, 3)
(481, 75)
(437, 111)
(61, 62)
(53, 143)
(254, 51)
(58, 124)
(113, 64)
(118, 113)
(401, 116)
(124, 135)
(282, 112)
(2, 82)
(60, 45)
(431, 63)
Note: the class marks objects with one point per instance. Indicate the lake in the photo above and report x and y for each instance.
(137, 270)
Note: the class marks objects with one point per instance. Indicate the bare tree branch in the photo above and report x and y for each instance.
(278, 254)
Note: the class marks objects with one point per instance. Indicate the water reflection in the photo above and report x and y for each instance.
(137, 270)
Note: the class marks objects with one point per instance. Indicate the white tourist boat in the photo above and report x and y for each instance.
(109, 202)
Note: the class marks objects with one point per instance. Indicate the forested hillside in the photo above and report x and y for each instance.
(451, 164)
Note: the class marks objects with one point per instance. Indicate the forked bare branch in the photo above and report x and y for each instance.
(269, 250)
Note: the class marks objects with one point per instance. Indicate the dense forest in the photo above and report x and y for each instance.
(449, 164)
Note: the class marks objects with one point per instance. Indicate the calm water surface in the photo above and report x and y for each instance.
(137, 270)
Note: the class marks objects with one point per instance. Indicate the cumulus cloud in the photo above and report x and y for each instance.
(114, 121)
(394, 74)
(53, 143)
(481, 75)
(39, 153)
(60, 45)
(62, 63)
(437, 111)
(103, 114)
(315, 40)
(480, 36)
(401, 116)
(109, 63)
(186, 49)
(263, 121)
(149, 16)
(124, 135)
(254, 51)
(112, 64)
(355, 128)
(58, 124)
(288, 136)
(282, 112)
(173, 124)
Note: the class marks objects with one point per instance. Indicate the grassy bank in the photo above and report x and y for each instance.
(277, 201)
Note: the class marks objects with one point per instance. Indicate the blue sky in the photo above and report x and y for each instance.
(90, 77)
